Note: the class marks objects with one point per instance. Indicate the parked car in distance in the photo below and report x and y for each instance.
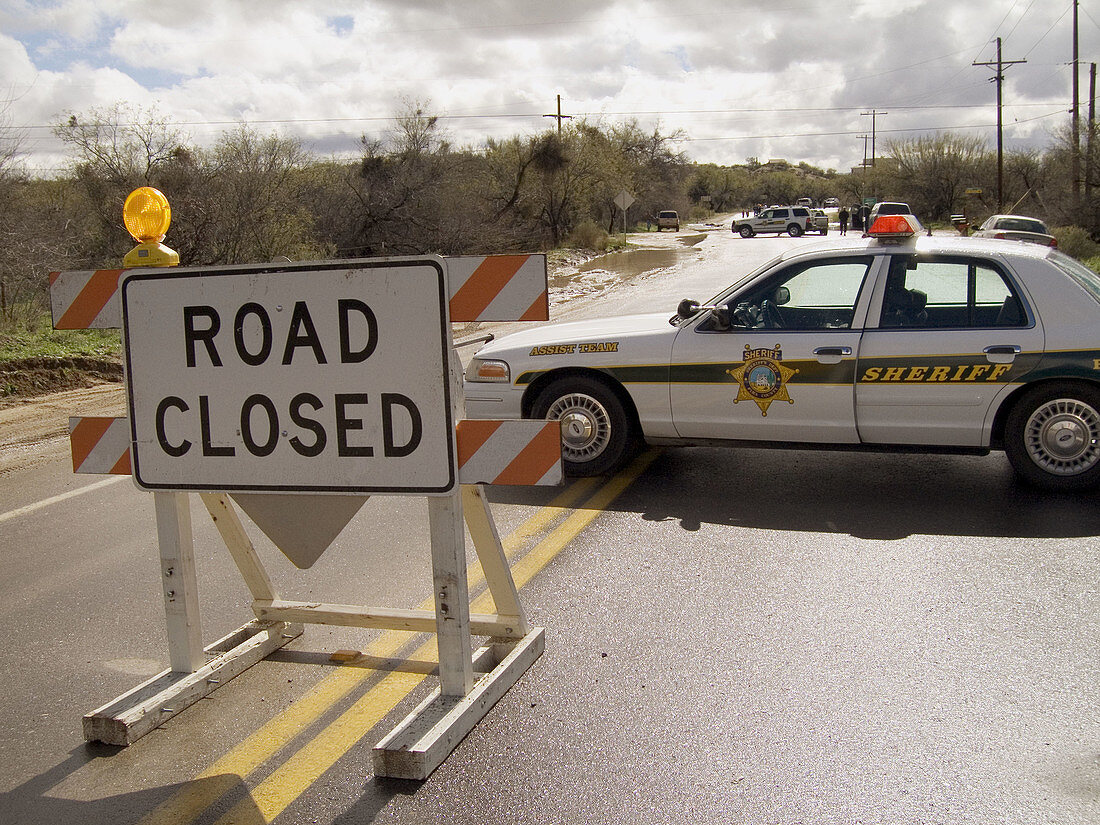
(668, 220)
(1016, 228)
(832, 203)
(807, 202)
(820, 221)
(794, 220)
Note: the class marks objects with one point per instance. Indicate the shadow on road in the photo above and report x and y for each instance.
(875, 496)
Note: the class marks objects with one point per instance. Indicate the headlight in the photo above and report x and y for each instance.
(488, 370)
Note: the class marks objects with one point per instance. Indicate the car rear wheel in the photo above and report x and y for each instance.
(794, 230)
(1052, 437)
(597, 434)
(746, 232)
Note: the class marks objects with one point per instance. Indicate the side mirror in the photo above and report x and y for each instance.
(782, 296)
(687, 308)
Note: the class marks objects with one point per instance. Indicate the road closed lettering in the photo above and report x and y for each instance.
(300, 379)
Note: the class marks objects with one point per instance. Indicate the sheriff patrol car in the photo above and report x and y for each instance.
(894, 341)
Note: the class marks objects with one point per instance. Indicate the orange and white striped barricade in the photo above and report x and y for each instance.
(471, 289)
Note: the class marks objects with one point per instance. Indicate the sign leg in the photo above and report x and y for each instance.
(178, 579)
(494, 563)
(452, 598)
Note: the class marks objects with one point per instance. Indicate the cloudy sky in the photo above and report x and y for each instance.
(767, 78)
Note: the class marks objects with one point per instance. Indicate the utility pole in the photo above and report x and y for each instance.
(1090, 148)
(874, 113)
(1076, 123)
(559, 116)
(999, 79)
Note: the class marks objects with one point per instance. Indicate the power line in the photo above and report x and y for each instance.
(605, 113)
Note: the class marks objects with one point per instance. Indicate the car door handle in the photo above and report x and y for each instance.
(831, 355)
(1001, 353)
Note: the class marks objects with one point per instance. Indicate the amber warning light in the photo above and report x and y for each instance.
(147, 216)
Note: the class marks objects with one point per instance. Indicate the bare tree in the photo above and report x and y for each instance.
(123, 145)
(935, 171)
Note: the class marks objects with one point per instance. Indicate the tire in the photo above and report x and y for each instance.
(794, 230)
(1052, 437)
(825, 231)
(597, 434)
(745, 231)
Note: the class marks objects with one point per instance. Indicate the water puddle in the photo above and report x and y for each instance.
(634, 262)
(601, 274)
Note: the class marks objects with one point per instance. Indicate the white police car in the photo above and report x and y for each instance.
(897, 341)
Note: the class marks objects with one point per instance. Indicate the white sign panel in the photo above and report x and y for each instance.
(297, 378)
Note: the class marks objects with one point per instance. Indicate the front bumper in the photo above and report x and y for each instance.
(487, 400)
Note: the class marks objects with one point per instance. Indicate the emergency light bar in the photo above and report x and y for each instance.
(895, 226)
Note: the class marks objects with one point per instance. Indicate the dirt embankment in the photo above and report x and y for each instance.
(32, 377)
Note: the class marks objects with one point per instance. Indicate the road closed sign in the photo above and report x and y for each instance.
(325, 377)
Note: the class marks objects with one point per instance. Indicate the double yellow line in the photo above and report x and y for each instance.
(303, 767)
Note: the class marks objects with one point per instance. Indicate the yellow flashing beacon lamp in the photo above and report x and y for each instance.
(147, 216)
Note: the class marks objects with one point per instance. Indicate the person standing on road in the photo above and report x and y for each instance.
(843, 216)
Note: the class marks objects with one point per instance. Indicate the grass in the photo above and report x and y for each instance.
(19, 341)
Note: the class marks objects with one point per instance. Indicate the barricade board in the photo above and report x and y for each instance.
(326, 378)
(479, 287)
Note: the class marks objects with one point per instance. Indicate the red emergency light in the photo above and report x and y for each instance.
(894, 226)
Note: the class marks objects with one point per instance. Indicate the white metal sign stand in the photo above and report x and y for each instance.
(470, 681)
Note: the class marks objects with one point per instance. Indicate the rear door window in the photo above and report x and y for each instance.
(949, 293)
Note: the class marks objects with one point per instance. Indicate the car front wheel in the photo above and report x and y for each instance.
(745, 231)
(597, 434)
(794, 230)
(1052, 437)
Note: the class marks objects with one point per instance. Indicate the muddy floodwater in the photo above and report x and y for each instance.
(616, 268)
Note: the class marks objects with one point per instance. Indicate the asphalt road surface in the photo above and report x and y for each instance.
(733, 636)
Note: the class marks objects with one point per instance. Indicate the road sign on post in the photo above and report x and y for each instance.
(623, 200)
(291, 379)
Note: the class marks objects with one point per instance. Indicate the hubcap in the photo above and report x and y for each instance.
(1063, 436)
(585, 425)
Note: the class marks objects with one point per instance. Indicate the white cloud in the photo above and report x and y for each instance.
(784, 79)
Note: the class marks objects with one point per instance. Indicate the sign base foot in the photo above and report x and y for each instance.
(430, 733)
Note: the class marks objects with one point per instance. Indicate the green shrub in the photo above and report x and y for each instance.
(1075, 241)
(1094, 263)
(588, 235)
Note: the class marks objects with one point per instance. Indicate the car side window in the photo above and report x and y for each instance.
(815, 295)
(951, 294)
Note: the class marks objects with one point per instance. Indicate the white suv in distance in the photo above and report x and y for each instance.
(794, 220)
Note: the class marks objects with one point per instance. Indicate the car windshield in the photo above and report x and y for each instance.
(1085, 277)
